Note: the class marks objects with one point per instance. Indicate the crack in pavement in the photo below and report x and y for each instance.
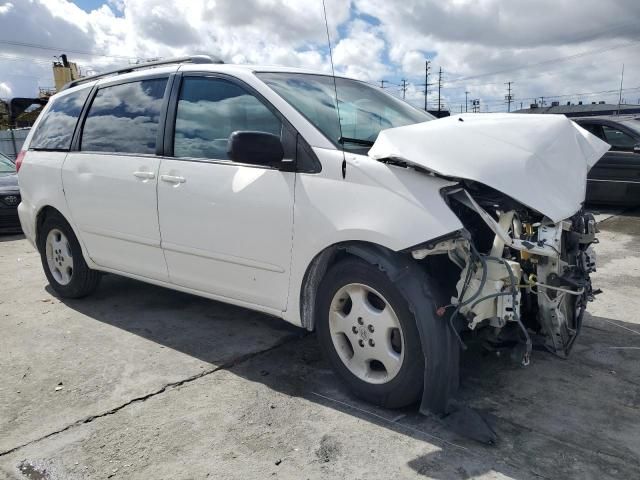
(225, 366)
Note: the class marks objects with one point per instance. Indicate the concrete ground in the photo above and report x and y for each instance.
(141, 382)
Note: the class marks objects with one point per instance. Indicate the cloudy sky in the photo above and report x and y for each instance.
(564, 50)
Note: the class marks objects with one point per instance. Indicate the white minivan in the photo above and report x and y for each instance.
(391, 234)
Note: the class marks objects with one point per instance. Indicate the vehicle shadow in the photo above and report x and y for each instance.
(557, 418)
(11, 237)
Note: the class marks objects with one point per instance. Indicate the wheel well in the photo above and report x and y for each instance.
(393, 263)
(321, 264)
(43, 214)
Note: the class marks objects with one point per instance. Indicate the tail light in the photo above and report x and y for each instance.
(19, 159)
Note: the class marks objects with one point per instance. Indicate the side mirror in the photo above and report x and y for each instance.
(636, 148)
(255, 148)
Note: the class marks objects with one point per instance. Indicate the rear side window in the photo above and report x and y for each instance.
(211, 109)
(124, 118)
(55, 130)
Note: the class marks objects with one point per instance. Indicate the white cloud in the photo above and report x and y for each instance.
(359, 54)
(5, 90)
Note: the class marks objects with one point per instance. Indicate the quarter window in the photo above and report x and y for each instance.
(125, 118)
(211, 109)
(55, 130)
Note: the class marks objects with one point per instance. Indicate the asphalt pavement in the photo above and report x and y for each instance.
(138, 381)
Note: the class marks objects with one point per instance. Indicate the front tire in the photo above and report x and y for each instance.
(369, 335)
(62, 260)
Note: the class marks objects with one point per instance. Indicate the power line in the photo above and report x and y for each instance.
(439, 88)
(580, 94)
(508, 97)
(546, 62)
(426, 83)
(61, 49)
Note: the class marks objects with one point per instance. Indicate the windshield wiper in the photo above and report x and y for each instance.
(357, 141)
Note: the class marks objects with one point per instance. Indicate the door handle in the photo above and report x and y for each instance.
(172, 179)
(144, 175)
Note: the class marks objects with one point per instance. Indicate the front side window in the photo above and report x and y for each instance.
(125, 118)
(618, 139)
(364, 110)
(55, 130)
(210, 110)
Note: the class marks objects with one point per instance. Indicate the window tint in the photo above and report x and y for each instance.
(124, 118)
(55, 130)
(209, 110)
(618, 139)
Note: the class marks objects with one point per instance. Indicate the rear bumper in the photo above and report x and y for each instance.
(27, 221)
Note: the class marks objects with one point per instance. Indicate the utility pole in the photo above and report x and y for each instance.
(620, 97)
(508, 97)
(426, 82)
(466, 95)
(404, 88)
(439, 87)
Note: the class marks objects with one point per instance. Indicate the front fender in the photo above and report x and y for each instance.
(390, 206)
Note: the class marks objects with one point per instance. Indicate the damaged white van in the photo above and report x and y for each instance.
(389, 233)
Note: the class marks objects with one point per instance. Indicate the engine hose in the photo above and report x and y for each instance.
(483, 279)
(461, 304)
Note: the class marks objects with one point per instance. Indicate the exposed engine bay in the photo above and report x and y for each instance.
(524, 280)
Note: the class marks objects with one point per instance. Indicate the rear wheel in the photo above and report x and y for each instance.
(369, 335)
(62, 260)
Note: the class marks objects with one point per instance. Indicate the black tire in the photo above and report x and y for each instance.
(406, 386)
(83, 280)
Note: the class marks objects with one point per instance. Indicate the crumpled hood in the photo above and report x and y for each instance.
(539, 160)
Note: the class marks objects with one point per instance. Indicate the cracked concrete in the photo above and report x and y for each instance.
(158, 384)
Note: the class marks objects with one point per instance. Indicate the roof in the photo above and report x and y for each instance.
(197, 62)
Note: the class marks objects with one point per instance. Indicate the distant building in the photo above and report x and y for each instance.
(64, 71)
(440, 113)
(581, 110)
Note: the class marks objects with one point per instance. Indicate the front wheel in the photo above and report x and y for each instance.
(62, 260)
(369, 335)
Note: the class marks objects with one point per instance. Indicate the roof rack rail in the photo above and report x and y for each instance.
(142, 66)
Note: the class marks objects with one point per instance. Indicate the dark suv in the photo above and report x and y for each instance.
(615, 179)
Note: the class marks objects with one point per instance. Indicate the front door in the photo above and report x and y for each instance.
(110, 184)
(226, 227)
(615, 179)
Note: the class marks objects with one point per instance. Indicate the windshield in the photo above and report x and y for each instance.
(6, 165)
(364, 110)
